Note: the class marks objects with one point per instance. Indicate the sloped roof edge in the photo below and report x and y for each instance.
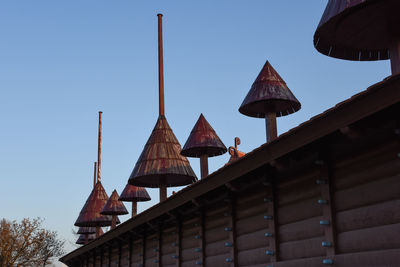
(376, 98)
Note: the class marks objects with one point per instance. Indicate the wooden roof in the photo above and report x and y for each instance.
(376, 98)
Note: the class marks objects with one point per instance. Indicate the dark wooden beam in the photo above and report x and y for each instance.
(328, 221)
(271, 216)
(231, 229)
(119, 253)
(144, 249)
(101, 256)
(109, 255)
(130, 247)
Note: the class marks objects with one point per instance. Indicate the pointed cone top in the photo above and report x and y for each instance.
(133, 193)
(269, 94)
(161, 162)
(86, 230)
(203, 141)
(114, 206)
(90, 214)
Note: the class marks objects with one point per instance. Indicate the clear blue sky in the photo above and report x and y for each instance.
(63, 61)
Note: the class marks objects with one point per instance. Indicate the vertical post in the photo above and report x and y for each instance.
(101, 256)
(99, 151)
(177, 243)
(134, 209)
(98, 231)
(94, 258)
(394, 51)
(231, 229)
(272, 221)
(159, 247)
(163, 192)
(270, 126)
(119, 253)
(144, 250)
(203, 237)
(109, 255)
(113, 221)
(86, 239)
(94, 176)
(327, 203)
(130, 251)
(203, 165)
(160, 67)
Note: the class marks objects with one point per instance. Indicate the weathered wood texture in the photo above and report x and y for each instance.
(341, 207)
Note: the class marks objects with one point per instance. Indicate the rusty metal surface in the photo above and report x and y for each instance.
(161, 162)
(203, 140)
(269, 94)
(358, 29)
(114, 206)
(86, 230)
(134, 193)
(90, 214)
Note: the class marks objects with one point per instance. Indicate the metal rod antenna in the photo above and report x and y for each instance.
(160, 67)
(99, 151)
(95, 176)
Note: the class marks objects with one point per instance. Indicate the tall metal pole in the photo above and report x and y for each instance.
(163, 188)
(99, 164)
(99, 151)
(94, 175)
(270, 126)
(160, 68)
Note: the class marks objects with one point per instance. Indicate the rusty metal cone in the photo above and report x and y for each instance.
(359, 30)
(86, 230)
(161, 163)
(133, 193)
(269, 94)
(203, 140)
(114, 206)
(90, 214)
(82, 238)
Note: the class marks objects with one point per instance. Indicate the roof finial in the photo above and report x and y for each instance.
(99, 151)
(160, 68)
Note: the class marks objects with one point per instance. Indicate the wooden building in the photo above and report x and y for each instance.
(325, 193)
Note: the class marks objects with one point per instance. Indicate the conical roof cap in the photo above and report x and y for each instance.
(358, 30)
(81, 240)
(86, 230)
(269, 94)
(114, 206)
(133, 193)
(203, 141)
(161, 162)
(90, 214)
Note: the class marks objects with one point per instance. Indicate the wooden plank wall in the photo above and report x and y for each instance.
(341, 211)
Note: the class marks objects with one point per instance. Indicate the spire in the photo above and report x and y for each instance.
(114, 206)
(202, 143)
(268, 98)
(134, 194)
(90, 214)
(160, 164)
(203, 140)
